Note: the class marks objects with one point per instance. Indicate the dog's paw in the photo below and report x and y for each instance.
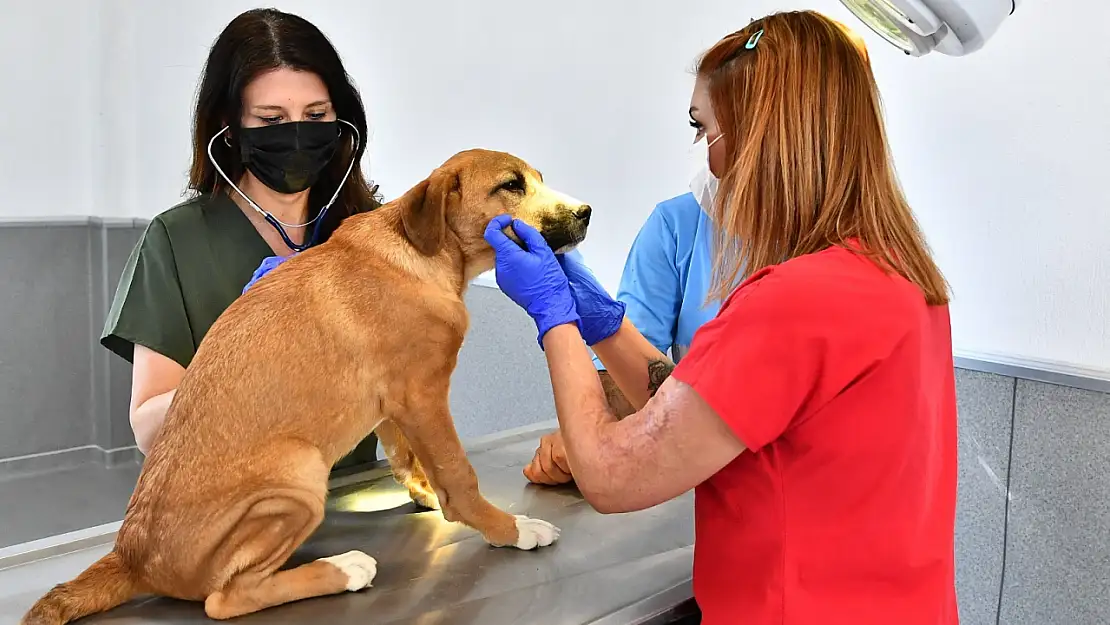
(532, 533)
(425, 498)
(359, 568)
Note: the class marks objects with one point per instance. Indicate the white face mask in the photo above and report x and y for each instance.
(703, 183)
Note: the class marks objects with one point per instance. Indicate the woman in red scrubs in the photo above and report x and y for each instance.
(815, 416)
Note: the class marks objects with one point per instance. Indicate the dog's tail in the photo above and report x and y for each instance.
(103, 586)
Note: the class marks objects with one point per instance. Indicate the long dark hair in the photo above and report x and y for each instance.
(255, 42)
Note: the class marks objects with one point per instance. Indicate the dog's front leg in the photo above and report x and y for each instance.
(431, 433)
(406, 468)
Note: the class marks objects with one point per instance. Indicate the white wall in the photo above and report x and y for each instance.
(49, 60)
(1002, 153)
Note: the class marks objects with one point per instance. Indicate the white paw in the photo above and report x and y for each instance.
(532, 533)
(359, 568)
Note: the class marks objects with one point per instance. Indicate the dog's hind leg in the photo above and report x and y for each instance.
(250, 593)
(271, 528)
(407, 469)
(430, 430)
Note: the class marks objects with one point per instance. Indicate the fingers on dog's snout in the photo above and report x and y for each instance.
(497, 224)
(531, 237)
(494, 235)
(523, 230)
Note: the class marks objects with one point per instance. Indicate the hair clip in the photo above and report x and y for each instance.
(754, 39)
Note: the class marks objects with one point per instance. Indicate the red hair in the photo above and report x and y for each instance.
(808, 164)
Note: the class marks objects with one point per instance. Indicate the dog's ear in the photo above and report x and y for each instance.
(424, 211)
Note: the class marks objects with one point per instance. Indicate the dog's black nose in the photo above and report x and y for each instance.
(583, 214)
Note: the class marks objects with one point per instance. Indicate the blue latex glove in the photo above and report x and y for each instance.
(601, 314)
(267, 265)
(531, 277)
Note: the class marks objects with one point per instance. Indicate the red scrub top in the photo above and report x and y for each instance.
(839, 380)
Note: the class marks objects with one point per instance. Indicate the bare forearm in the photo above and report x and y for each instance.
(147, 419)
(580, 403)
(636, 367)
(606, 456)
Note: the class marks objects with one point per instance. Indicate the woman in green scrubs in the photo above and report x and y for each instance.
(277, 141)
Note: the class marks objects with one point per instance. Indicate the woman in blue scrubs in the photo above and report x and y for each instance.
(664, 287)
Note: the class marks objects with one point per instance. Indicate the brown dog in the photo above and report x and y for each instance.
(358, 334)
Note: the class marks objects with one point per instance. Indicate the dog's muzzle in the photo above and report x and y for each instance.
(564, 232)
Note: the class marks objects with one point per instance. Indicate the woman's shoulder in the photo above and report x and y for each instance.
(668, 222)
(678, 210)
(827, 286)
(198, 224)
(187, 214)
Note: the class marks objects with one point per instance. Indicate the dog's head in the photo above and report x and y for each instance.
(473, 187)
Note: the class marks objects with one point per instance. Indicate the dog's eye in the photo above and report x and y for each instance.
(516, 185)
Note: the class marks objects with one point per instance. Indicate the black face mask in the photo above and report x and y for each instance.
(289, 157)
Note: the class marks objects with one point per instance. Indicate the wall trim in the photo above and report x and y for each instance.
(1048, 372)
(72, 220)
(49, 461)
(31, 222)
(57, 545)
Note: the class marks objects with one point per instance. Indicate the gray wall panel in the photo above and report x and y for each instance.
(120, 243)
(985, 405)
(99, 411)
(500, 365)
(1058, 550)
(45, 356)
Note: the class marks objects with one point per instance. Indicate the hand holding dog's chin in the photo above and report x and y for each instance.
(531, 276)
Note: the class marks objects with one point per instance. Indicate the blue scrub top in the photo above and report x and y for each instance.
(667, 276)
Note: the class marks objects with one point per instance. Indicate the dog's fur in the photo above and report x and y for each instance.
(355, 335)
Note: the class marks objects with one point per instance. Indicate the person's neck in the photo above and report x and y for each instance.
(287, 208)
(290, 209)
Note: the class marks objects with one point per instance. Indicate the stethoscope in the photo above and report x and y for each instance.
(274, 221)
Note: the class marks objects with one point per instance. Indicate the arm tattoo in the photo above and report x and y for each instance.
(658, 371)
(618, 403)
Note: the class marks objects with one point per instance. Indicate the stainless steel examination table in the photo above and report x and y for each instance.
(613, 570)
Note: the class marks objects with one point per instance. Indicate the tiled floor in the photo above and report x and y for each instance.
(47, 504)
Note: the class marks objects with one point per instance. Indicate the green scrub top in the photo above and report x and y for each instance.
(189, 266)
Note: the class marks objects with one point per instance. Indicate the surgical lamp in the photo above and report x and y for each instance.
(917, 27)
